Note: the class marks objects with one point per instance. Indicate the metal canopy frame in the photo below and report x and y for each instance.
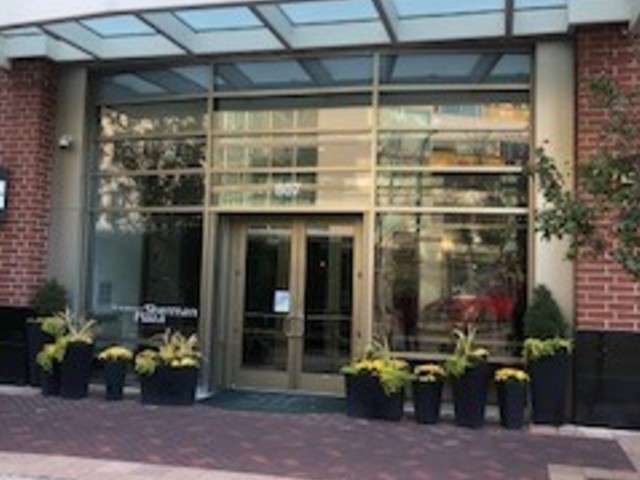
(138, 29)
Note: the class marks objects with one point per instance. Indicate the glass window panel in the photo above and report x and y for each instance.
(144, 259)
(153, 119)
(149, 191)
(422, 189)
(192, 80)
(419, 8)
(321, 189)
(443, 115)
(151, 155)
(277, 151)
(204, 19)
(454, 149)
(329, 11)
(274, 73)
(435, 272)
(117, 26)
(349, 70)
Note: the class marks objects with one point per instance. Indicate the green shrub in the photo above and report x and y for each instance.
(543, 319)
(50, 299)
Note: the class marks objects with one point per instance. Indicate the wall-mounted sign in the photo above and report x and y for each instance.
(150, 313)
(281, 301)
(4, 181)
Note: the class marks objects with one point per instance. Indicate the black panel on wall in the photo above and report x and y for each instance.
(13, 348)
(607, 379)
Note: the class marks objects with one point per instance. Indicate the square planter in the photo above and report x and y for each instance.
(50, 381)
(512, 401)
(427, 398)
(367, 399)
(75, 370)
(114, 375)
(169, 386)
(549, 376)
(470, 396)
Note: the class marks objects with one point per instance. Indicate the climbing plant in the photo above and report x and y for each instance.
(601, 217)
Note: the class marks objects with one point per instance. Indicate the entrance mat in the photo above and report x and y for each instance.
(274, 402)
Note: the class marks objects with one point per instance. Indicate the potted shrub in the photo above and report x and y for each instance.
(375, 385)
(76, 356)
(512, 384)
(546, 352)
(169, 372)
(427, 392)
(469, 372)
(48, 360)
(50, 298)
(115, 360)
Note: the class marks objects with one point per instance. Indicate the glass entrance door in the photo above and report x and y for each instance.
(297, 283)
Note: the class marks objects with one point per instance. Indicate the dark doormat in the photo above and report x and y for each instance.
(274, 402)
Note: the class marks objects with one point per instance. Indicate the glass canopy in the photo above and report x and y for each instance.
(83, 30)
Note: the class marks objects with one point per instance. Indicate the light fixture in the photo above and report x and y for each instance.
(3, 193)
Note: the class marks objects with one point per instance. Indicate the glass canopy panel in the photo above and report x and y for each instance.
(21, 32)
(530, 4)
(329, 11)
(211, 19)
(154, 83)
(423, 8)
(349, 70)
(117, 26)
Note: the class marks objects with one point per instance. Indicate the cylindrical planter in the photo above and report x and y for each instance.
(367, 399)
(75, 370)
(50, 381)
(512, 401)
(470, 396)
(169, 386)
(427, 398)
(548, 388)
(114, 375)
(36, 339)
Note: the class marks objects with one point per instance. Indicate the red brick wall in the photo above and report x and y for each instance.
(606, 298)
(27, 122)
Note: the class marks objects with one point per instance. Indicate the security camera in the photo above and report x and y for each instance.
(65, 142)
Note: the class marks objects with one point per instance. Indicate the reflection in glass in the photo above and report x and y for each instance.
(425, 189)
(140, 259)
(149, 191)
(151, 155)
(329, 300)
(264, 344)
(438, 271)
(153, 119)
(453, 149)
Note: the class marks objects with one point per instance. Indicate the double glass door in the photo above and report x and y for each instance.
(295, 306)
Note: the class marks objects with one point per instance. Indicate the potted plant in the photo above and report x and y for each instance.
(76, 356)
(375, 384)
(50, 298)
(115, 360)
(512, 386)
(546, 352)
(427, 392)
(469, 372)
(48, 360)
(169, 372)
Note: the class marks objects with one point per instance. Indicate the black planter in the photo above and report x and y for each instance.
(470, 396)
(427, 397)
(114, 375)
(512, 401)
(169, 386)
(75, 370)
(548, 388)
(367, 399)
(36, 339)
(50, 381)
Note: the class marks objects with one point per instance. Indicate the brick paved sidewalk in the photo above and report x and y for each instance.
(316, 446)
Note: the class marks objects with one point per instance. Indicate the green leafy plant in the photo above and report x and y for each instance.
(429, 373)
(79, 329)
(49, 355)
(50, 298)
(608, 185)
(56, 326)
(466, 354)
(511, 375)
(378, 361)
(543, 318)
(115, 353)
(173, 349)
(535, 348)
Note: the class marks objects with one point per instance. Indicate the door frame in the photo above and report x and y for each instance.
(233, 277)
